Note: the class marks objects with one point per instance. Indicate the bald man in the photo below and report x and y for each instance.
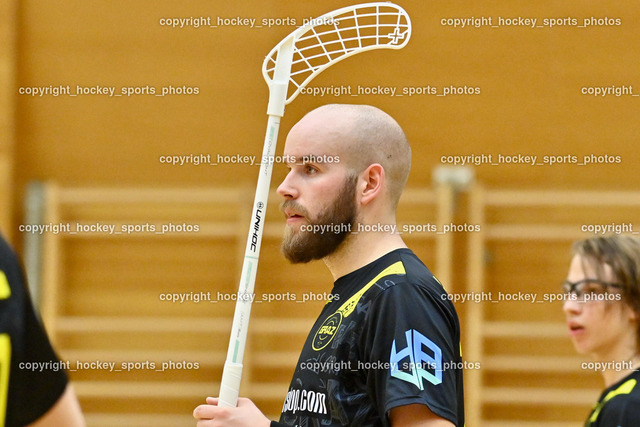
(385, 350)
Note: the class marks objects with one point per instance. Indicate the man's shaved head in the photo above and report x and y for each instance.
(363, 135)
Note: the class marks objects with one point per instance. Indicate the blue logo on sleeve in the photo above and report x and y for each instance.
(412, 364)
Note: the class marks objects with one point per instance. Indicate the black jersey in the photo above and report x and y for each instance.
(388, 337)
(31, 377)
(619, 405)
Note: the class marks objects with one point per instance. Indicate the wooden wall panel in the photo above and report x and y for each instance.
(530, 103)
(530, 82)
(7, 110)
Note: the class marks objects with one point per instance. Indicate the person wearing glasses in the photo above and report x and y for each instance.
(602, 308)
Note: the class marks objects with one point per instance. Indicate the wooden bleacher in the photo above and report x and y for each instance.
(100, 295)
(530, 375)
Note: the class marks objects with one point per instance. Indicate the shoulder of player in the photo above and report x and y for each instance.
(623, 407)
(416, 275)
(8, 258)
(11, 270)
(621, 410)
(410, 287)
(413, 282)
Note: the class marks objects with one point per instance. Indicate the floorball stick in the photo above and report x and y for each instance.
(293, 63)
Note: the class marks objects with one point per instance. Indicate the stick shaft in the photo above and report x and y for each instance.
(232, 373)
(278, 78)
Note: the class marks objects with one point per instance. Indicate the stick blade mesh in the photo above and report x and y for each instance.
(338, 35)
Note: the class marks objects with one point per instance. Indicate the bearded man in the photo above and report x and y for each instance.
(385, 350)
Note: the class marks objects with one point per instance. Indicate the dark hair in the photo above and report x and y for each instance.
(622, 254)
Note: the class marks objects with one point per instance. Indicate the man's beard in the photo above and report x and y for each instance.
(303, 246)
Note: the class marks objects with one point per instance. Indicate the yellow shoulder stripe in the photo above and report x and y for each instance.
(5, 289)
(625, 388)
(350, 305)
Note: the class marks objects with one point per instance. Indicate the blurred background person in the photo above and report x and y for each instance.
(602, 308)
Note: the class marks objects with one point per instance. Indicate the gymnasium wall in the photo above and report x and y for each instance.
(518, 97)
(7, 110)
(530, 83)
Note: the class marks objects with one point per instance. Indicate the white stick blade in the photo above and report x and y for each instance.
(338, 35)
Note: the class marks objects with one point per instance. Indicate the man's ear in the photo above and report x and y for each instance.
(370, 184)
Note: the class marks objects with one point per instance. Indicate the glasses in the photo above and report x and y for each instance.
(588, 289)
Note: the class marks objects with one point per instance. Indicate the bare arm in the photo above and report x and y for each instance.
(416, 415)
(65, 412)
